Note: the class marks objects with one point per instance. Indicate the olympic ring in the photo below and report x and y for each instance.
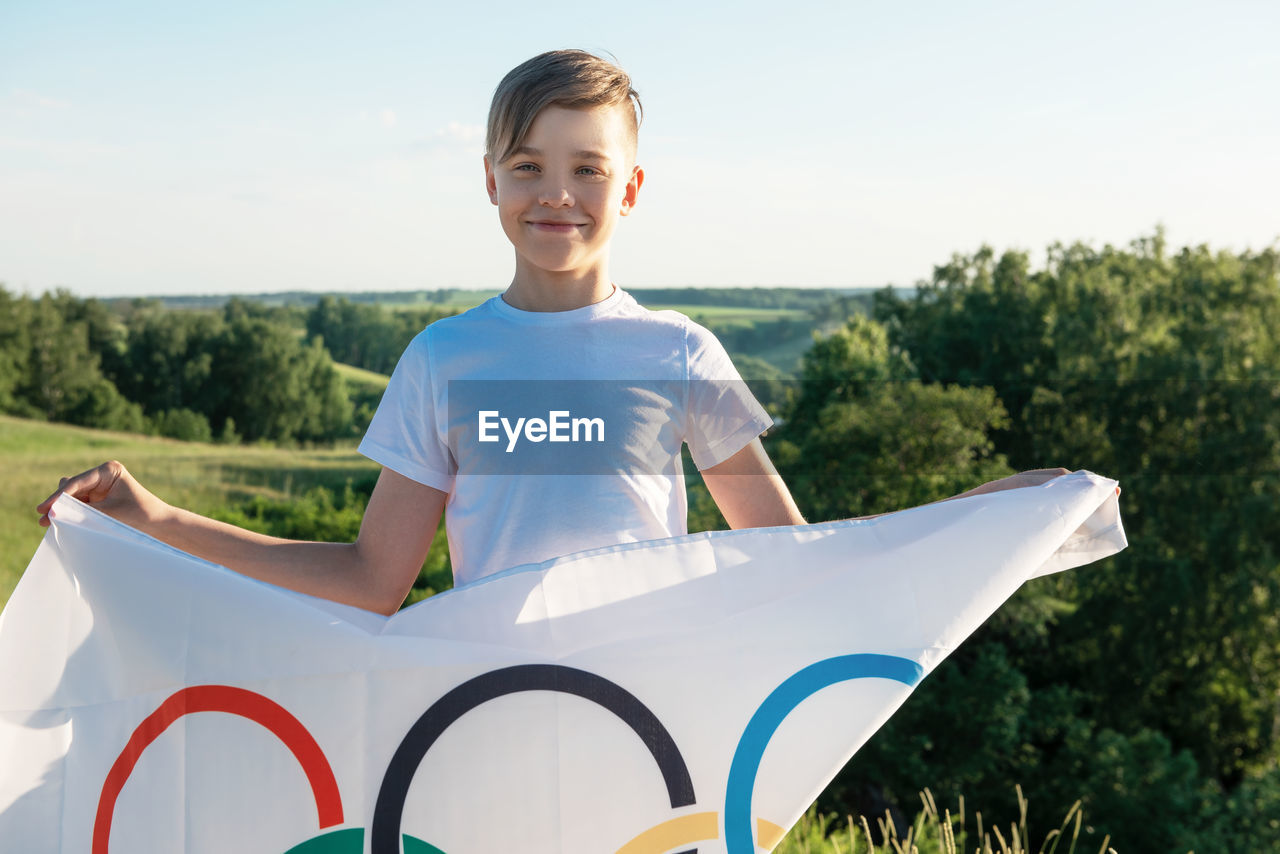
(696, 827)
(235, 701)
(351, 841)
(389, 808)
(385, 836)
(769, 716)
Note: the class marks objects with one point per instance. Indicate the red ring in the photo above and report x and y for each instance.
(234, 701)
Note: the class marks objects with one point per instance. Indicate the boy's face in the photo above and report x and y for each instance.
(560, 194)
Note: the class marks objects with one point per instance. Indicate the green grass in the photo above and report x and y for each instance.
(468, 299)
(787, 356)
(724, 313)
(941, 831)
(460, 301)
(360, 378)
(197, 476)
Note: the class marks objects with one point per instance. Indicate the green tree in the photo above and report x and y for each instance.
(1160, 369)
(368, 336)
(167, 360)
(242, 370)
(49, 369)
(14, 317)
(274, 386)
(864, 435)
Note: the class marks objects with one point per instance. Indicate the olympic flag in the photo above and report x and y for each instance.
(690, 694)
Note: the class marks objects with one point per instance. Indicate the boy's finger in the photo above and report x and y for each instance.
(43, 506)
(80, 486)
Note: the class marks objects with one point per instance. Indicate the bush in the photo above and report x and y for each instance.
(183, 424)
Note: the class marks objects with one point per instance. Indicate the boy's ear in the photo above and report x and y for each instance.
(490, 182)
(633, 190)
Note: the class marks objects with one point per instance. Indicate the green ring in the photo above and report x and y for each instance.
(351, 841)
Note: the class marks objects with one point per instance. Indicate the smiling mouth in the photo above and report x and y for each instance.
(548, 225)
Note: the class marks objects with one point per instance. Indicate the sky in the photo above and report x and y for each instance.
(172, 148)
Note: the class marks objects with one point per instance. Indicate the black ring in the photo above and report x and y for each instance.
(389, 809)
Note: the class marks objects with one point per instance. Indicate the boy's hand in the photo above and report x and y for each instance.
(111, 489)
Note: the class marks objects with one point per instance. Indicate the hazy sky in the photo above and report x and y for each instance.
(158, 147)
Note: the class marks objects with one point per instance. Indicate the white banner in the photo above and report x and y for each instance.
(687, 694)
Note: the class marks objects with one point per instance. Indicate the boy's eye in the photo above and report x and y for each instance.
(589, 171)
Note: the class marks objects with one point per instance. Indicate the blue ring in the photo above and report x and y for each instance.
(798, 687)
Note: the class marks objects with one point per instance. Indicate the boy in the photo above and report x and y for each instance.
(560, 168)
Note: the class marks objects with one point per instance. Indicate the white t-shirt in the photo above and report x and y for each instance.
(607, 394)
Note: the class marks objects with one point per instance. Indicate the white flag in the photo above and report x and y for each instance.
(695, 693)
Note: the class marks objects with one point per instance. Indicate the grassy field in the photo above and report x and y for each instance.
(787, 356)
(470, 299)
(196, 476)
(359, 378)
(463, 300)
(784, 356)
(459, 301)
(467, 299)
(725, 313)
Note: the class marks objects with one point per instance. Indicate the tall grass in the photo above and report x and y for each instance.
(935, 832)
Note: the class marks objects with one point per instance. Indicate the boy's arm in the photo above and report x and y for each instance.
(375, 572)
(749, 491)
(751, 494)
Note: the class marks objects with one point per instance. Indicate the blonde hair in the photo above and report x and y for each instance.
(564, 78)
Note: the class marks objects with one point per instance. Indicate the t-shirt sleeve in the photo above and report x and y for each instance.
(723, 415)
(405, 434)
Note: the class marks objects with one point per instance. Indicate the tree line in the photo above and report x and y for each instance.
(233, 369)
(243, 371)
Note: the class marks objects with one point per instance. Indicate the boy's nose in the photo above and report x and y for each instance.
(556, 197)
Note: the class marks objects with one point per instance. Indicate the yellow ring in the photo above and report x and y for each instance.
(768, 834)
(696, 827)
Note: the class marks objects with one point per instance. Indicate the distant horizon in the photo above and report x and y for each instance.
(373, 295)
(1038, 259)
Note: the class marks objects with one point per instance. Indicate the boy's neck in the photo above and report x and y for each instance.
(552, 292)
